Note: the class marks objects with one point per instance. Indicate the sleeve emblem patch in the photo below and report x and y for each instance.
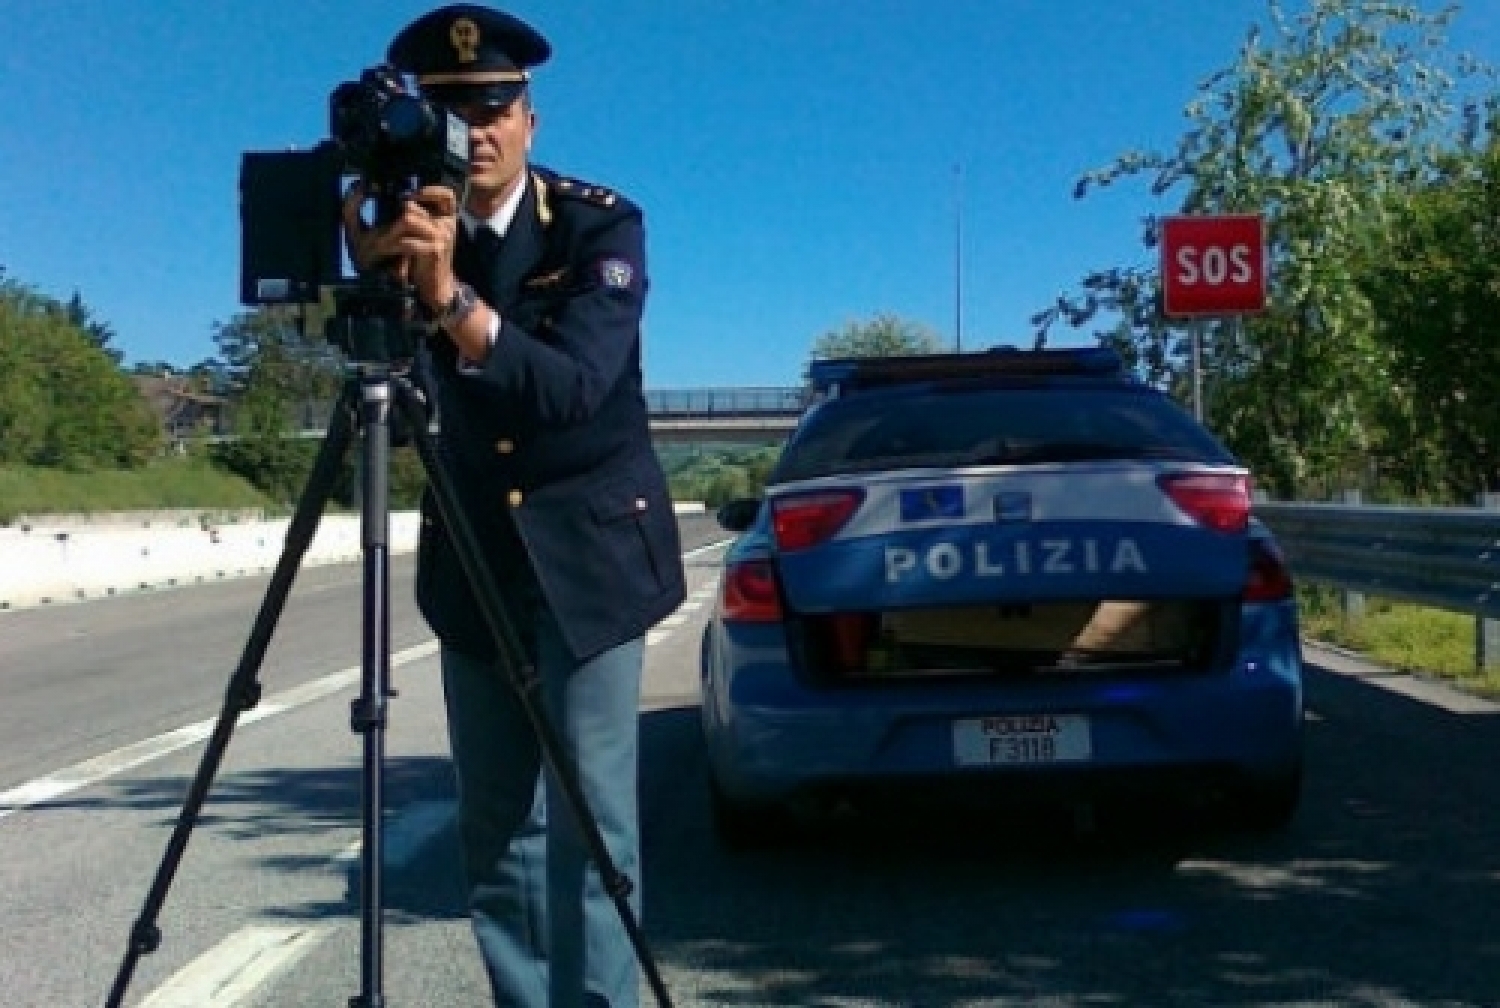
(616, 273)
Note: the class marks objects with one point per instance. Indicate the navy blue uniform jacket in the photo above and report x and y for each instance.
(549, 444)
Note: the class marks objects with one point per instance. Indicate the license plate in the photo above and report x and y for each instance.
(1011, 741)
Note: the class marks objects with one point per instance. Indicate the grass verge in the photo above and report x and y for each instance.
(1399, 635)
(181, 482)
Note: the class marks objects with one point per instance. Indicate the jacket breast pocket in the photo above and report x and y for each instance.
(620, 513)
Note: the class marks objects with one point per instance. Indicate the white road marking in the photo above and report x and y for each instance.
(694, 553)
(691, 604)
(236, 967)
(100, 768)
(232, 970)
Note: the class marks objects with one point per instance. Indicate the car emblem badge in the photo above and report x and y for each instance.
(928, 503)
(1013, 506)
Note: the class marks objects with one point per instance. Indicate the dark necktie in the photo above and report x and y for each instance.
(488, 243)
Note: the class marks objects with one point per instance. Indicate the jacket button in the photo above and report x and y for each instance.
(640, 503)
(505, 446)
(515, 498)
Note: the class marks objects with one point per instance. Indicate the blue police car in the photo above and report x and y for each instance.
(973, 573)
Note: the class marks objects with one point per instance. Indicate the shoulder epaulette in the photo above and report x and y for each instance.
(570, 188)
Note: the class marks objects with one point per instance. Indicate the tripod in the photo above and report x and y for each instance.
(370, 324)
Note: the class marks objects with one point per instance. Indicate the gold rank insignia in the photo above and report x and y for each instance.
(464, 34)
(575, 189)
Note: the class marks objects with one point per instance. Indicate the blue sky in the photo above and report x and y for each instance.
(795, 158)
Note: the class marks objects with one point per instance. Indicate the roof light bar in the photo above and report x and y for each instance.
(864, 372)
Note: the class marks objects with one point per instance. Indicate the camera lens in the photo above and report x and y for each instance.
(407, 119)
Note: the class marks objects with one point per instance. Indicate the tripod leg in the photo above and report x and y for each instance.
(369, 713)
(243, 692)
(524, 678)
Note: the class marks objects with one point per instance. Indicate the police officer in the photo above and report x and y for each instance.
(536, 284)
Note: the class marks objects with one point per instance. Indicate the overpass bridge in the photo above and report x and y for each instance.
(763, 414)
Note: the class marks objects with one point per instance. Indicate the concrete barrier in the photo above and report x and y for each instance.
(48, 561)
(40, 566)
(160, 518)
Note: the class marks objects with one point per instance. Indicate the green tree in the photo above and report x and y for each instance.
(63, 402)
(885, 335)
(99, 333)
(278, 354)
(280, 372)
(1435, 285)
(717, 476)
(1314, 125)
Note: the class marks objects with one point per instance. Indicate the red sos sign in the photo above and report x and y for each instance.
(1213, 265)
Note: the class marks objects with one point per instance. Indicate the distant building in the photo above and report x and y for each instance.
(183, 410)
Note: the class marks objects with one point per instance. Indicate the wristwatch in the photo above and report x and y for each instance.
(457, 309)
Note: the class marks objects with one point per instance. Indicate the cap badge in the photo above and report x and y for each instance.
(464, 34)
(616, 273)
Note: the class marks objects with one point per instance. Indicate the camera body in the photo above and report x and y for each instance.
(396, 142)
(291, 228)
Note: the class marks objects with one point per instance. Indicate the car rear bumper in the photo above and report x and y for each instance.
(772, 736)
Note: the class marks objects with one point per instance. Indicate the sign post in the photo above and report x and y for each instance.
(1212, 266)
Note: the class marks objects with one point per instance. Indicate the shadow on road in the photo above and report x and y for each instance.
(310, 805)
(1386, 891)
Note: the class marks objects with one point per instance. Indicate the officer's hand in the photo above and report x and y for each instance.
(369, 246)
(429, 230)
(418, 245)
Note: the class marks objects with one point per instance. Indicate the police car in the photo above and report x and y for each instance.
(974, 572)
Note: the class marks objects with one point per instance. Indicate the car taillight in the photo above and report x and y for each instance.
(1216, 501)
(1269, 580)
(750, 593)
(806, 519)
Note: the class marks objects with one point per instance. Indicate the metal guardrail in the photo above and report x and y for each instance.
(1448, 558)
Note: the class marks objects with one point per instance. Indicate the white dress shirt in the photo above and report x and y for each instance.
(500, 224)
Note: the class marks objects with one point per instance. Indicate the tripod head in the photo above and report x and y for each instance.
(376, 322)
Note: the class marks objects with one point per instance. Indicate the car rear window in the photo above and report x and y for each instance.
(993, 427)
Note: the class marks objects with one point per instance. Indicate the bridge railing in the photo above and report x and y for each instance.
(746, 401)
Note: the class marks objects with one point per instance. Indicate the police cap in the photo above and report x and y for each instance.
(467, 53)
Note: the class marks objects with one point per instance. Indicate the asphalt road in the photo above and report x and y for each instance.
(1384, 892)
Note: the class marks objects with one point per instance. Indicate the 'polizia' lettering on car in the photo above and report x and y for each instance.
(948, 560)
